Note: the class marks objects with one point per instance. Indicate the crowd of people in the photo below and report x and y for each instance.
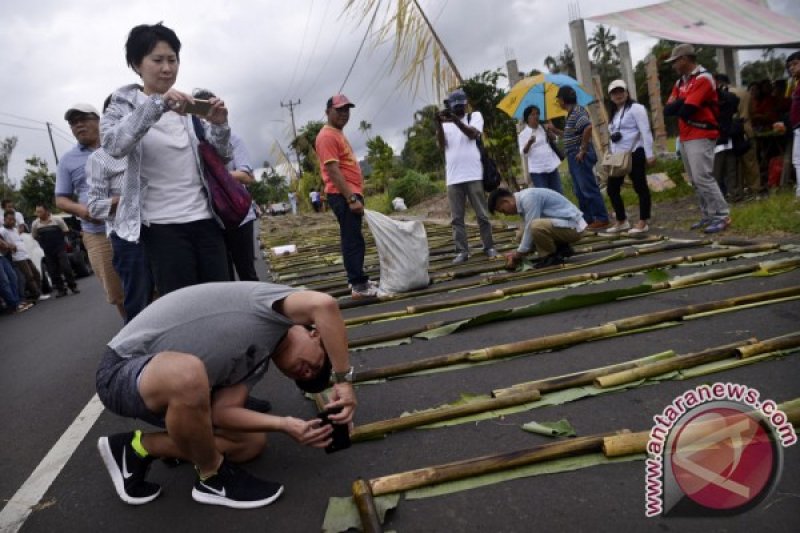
(195, 342)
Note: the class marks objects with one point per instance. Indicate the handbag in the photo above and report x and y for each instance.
(616, 165)
(491, 176)
(229, 198)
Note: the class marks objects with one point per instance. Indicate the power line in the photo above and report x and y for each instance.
(358, 52)
(327, 59)
(316, 42)
(302, 46)
(22, 127)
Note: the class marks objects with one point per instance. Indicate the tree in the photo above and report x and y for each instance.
(38, 185)
(420, 152)
(365, 127)
(269, 187)
(605, 53)
(564, 63)
(417, 46)
(6, 147)
(769, 67)
(303, 144)
(380, 156)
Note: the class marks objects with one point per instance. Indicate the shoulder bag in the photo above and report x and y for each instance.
(620, 163)
(491, 177)
(229, 198)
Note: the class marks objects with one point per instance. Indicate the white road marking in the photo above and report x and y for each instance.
(20, 506)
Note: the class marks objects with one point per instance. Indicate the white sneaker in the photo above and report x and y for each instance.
(634, 230)
(619, 227)
(363, 291)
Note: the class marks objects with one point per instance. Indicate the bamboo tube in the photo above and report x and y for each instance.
(365, 502)
(564, 339)
(622, 242)
(487, 464)
(738, 250)
(626, 444)
(673, 246)
(448, 412)
(545, 284)
(769, 345)
(677, 313)
(454, 302)
(694, 279)
(576, 379)
(372, 318)
(632, 443)
(675, 363)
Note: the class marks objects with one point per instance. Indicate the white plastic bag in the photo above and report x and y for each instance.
(402, 251)
(398, 204)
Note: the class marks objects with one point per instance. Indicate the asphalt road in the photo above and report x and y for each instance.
(48, 357)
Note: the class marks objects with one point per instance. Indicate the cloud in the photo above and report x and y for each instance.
(256, 55)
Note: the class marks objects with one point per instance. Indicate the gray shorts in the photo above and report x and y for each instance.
(117, 386)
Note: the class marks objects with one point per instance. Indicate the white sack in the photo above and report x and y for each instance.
(402, 251)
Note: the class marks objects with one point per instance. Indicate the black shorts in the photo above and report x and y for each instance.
(117, 386)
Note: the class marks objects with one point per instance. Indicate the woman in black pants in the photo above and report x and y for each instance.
(629, 130)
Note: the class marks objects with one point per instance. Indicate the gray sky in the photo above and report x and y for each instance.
(255, 54)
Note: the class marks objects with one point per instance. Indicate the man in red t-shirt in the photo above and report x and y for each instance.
(344, 187)
(793, 66)
(694, 102)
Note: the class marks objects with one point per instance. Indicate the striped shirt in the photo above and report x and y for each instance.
(577, 120)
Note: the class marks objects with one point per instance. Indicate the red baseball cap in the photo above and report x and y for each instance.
(338, 101)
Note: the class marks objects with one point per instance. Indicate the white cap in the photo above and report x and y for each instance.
(81, 108)
(617, 84)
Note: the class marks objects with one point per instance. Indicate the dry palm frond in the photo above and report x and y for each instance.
(417, 48)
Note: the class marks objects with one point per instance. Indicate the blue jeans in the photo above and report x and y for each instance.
(590, 200)
(130, 262)
(8, 284)
(548, 180)
(353, 247)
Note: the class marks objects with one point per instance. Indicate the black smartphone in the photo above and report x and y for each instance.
(199, 107)
(341, 433)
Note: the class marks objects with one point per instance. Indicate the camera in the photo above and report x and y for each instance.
(341, 432)
(616, 137)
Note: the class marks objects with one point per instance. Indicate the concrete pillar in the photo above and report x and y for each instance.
(727, 62)
(513, 78)
(626, 64)
(583, 68)
(656, 107)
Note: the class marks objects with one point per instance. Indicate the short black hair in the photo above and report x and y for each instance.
(5, 202)
(528, 110)
(143, 38)
(320, 382)
(568, 94)
(8, 212)
(497, 195)
(792, 57)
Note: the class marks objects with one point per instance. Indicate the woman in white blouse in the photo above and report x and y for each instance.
(534, 144)
(629, 130)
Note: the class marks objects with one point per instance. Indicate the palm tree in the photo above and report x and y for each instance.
(417, 46)
(365, 127)
(602, 46)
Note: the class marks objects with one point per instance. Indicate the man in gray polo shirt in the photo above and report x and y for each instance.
(187, 363)
(72, 192)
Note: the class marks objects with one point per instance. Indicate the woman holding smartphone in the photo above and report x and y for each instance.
(629, 130)
(534, 144)
(164, 200)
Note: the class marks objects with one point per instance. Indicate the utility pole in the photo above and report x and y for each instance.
(291, 105)
(50, 133)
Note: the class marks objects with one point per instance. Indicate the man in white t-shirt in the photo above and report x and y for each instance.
(457, 133)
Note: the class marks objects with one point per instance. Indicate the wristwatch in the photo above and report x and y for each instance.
(343, 377)
(352, 199)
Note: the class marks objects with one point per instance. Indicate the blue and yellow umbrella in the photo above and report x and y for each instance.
(541, 90)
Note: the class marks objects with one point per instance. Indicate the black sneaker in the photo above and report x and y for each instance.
(233, 487)
(565, 250)
(127, 469)
(550, 260)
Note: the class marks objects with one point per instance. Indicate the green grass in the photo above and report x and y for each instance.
(780, 212)
(380, 203)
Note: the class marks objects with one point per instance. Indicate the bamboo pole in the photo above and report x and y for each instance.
(448, 412)
(393, 335)
(633, 443)
(769, 345)
(365, 502)
(560, 340)
(487, 464)
(676, 363)
(575, 379)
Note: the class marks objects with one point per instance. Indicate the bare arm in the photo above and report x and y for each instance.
(243, 177)
(72, 207)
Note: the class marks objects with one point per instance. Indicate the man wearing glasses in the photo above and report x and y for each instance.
(72, 192)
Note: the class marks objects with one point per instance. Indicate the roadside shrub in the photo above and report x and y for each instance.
(413, 188)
